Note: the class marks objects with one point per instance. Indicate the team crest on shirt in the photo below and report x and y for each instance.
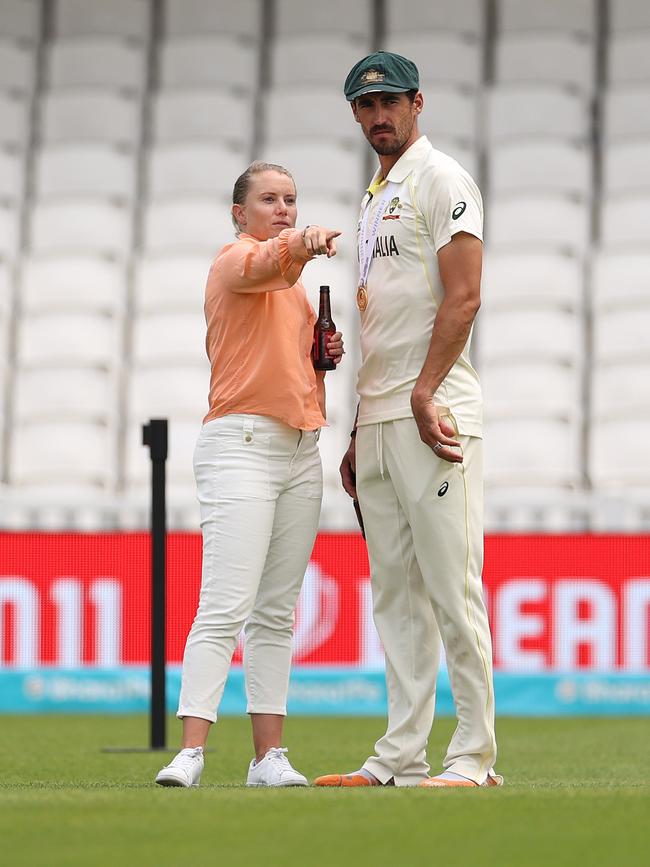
(393, 205)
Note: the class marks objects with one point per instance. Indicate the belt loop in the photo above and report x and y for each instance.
(247, 429)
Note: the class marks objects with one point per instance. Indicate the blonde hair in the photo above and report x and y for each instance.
(243, 182)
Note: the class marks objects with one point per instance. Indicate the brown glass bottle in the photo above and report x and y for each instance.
(323, 331)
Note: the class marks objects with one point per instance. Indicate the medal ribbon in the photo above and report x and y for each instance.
(367, 239)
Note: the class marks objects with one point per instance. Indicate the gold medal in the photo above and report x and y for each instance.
(362, 297)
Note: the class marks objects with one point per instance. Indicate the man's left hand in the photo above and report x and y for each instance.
(434, 430)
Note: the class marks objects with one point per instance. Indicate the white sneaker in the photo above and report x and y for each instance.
(183, 770)
(274, 770)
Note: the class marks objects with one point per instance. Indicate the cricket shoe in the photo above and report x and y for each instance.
(274, 770)
(443, 783)
(356, 778)
(183, 770)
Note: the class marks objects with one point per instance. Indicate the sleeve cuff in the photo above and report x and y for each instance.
(290, 244)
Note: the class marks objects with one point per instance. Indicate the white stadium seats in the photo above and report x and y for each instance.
(530, 334)
(62, 453)
(96, 62)
(621, 333)
(538, 279)
(560, 58)
(450, 112)
(183, 435)
(169, 338)
(74, 284)
(13, 120)
(551, 222)
(9, 231)
(532, 450)
(128, 18)
(76, 394)
(625, 221)
(21, 19)
(204, 168)
(626, 114)
(5, 290)
(532, 166)
(91, 115)
(202, 61)
(320, 167)
(626, 167)
(12, 176)
(620, 278)
(171, 283)
(285, 116)
(629, 58)
(418, 16)
(629, 15)
(187, 114)
(542, 111)
(76, 339)
(198, 225)
(338, 16)
(574, 16)
(195, 17)
(169, 391)
(527, 387)
(85, 170)
(617, 467)
(620, 388)
(446, 58)
(314, 59)
(80, 226)
(17, 66)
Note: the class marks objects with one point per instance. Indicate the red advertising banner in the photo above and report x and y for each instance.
(557, 603)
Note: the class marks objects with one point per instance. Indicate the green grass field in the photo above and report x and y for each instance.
(576, 793)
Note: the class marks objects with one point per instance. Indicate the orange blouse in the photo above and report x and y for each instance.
(260, 333)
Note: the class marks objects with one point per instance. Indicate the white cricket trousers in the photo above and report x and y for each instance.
(424, 528)
(259, 485)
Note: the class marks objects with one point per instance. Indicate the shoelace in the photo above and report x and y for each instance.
(277, 756)
(186, 760)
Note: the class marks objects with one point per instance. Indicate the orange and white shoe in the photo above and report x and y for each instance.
(353, 779)
(443, 783)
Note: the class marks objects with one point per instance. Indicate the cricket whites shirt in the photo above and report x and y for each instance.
(431, 199)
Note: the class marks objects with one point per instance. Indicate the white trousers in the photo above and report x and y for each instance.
(259, 485)
(424, 529)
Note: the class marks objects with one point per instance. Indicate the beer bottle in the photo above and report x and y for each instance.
(323, 332)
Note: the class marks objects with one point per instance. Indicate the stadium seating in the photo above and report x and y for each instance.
(85, 170)
(192, 17)
(17, 66)
(62, 283)
(574, 16)
(539, 111)
(205, 114)
(128, 18)
(21, 19)
(122, 129)
(90, 115)
(170, 283)
(629, 58)
(80, 226)
(97, 62)
(13, 120)
(525, 58)
(465, 17)
(531, 166)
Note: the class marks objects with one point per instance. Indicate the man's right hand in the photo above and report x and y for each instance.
(348, 470)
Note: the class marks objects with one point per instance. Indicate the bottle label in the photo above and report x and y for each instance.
(321, 356)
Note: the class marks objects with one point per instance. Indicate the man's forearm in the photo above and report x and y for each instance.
(448, 338)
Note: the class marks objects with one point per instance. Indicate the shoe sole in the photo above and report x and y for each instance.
(173, 782)
(276, 785)
(346, 780)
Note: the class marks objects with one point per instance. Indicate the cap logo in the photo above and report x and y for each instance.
(372, 76)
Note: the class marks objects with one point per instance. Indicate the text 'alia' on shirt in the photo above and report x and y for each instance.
(425, 200)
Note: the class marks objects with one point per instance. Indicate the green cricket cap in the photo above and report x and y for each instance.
(381, 71)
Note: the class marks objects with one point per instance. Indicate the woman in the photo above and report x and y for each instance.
(258, 472)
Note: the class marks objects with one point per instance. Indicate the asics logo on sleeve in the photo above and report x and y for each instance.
(458, 211)
(442, 490)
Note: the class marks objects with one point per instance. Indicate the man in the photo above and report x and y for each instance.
(415, 452)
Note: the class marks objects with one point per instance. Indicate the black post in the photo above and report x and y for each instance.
(154, 435)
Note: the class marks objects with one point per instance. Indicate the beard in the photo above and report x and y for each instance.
(388, 148)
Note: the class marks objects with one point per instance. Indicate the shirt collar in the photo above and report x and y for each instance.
(403, 167)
